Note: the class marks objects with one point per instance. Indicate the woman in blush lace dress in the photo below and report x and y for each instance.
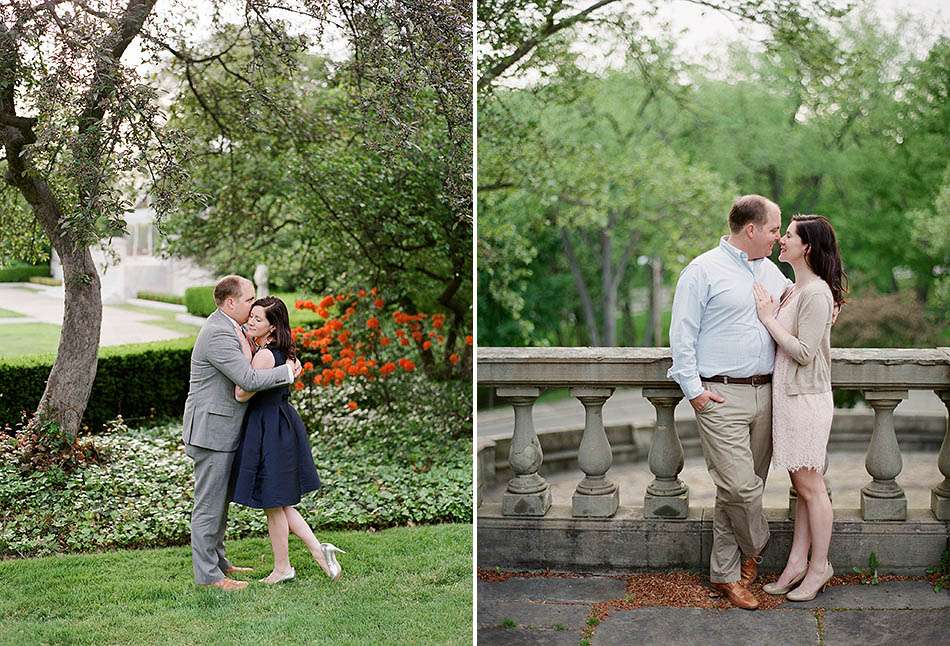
(802, 404)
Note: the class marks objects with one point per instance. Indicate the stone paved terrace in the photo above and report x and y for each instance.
(555, 610)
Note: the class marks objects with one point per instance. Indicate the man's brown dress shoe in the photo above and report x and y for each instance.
(228, 585)
(738, 595)
(749, 570)
(235, 569)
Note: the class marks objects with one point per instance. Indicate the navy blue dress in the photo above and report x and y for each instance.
(273, 466)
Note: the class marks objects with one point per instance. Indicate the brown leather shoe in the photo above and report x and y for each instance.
(236, 569)
(738, 595)
(749, 570)
(228, 585)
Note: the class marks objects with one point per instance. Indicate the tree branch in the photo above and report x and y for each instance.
(550, 28)
(111, 49)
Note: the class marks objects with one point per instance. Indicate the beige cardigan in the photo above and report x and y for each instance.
(808, 341)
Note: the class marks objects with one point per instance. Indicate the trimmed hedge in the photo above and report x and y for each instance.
(140, 382)
(161, 298)
(199, 301)
(22, 273)
(46, 280)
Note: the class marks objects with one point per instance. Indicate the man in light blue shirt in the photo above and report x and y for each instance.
(722, 360)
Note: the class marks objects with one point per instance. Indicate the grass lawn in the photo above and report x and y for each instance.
(164, 319)
(4, 314)
(18, 339)
(399, 586)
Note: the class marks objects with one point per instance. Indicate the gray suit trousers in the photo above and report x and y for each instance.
(209, 515)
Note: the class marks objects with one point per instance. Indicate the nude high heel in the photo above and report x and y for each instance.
(329, 553)
(774, 588)
(799, 595)
(270, 579)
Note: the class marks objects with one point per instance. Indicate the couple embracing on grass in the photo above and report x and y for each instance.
(752, 353)
(247, 442)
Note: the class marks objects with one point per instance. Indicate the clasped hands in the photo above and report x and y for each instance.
(251, 342)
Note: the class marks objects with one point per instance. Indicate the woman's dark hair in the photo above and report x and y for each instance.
(276, 313)
(823, 256)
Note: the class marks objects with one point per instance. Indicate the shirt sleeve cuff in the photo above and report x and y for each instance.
(693, 388)
(290, 373)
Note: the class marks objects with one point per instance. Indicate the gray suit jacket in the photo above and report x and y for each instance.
(212, 415)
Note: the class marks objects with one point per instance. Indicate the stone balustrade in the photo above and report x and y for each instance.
(520, 374)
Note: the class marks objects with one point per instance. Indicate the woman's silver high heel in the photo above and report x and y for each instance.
(774, 588)
(798, 595)
(329, 553)
(286, 576)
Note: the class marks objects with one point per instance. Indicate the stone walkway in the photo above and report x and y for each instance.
(39, 304)
(554, 611)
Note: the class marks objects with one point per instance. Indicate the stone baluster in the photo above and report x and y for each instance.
(667, 496)
(528, 493)
(793, 495)
(595, 496)
(940, 495)
(883, 498)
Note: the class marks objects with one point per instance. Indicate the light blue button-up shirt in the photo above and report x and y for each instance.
(715, 329)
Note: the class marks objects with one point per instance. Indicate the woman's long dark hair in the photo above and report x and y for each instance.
(823, 257)
(276, 313)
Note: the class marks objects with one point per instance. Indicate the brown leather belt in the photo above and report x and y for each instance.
(754, 380)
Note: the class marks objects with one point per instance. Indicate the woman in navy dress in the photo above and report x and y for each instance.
(273, 466)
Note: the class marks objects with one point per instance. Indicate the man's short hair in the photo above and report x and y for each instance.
(749, 208)
(228, 287)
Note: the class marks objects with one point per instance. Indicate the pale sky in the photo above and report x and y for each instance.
(197, 15)
(703, 32)
(706, 29)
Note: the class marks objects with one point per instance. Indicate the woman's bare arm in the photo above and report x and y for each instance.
(263, 360)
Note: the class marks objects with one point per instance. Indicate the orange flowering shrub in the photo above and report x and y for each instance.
(355, 342)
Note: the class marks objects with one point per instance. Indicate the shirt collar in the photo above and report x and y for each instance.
(732, 250)
(738, 254)
(237, 326)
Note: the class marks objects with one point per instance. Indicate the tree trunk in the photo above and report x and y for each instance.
(70, 381)
(587, 306)
(609, 287)
(628, 325)
(656, 301)
(648, 339)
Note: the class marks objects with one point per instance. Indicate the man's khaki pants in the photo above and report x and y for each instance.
(737, 442)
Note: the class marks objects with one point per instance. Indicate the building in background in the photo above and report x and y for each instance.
(135, 263)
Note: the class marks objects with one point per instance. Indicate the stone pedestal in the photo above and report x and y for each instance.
(667, 496)
(940, 495)
(883, 498)
(595, 496)
(528, 493)
(597, 505)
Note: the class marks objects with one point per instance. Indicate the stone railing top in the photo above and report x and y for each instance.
(858, 368)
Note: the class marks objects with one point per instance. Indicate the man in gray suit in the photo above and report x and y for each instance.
(220, 359)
